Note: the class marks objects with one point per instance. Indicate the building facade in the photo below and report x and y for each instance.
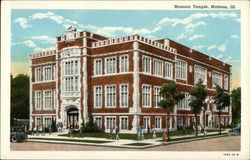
(117, 81)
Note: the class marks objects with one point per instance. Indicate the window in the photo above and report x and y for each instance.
(146, 64)
(146, 94)
(157, 97)
(226, 82)
(98, 122)
(110, 96)
(184, 103)
(217, 79)
(158, 68)
(110, 122)
(214, 106)
(124, 123)
(181, 70)
(124, 95)
(47, 73)
(98, 97)
(54, 72)
(158, 122)
(200, 73)
(169, 70)
(38, 74)
(70, 67)
(179, 121)
(47, 122)
(98, 67)
(47, 99)
(71, 83)
(38, 122)
(146, 122)
(38, 100)
(110, 65)
(124, 63)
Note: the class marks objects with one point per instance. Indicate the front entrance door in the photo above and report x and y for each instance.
(72, 118)
(206, 120)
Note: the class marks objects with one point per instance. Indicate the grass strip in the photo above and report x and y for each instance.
(187, 138)
(138, 144)
(72, 140)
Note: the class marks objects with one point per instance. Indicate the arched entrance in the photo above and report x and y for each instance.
(72, 117)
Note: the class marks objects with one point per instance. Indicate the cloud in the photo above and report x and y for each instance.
(28, 43)
(196, 36)
(234, 36)
(23, 22)
(229, 59)
(237, 20)
(181, 36)
(44, 39)
(194, 16)
(190, 27)
(222, 48)
(211, 47)
(197, 47)
(38, 49)
(219, 56)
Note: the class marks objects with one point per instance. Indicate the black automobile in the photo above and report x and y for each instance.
(235, 131)
(17, 134)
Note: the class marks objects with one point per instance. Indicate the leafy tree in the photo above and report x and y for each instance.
(19, 97)
(197, 100)
(170, 99)
(236, 105)
(222, 100)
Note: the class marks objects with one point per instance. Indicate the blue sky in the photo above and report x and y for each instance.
(213, 32)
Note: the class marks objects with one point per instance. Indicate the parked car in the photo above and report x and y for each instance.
(235, 131)
(17, 134)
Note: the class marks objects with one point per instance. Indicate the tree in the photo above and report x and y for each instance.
(236, 105)
(170, 99)
(222, 100)
(19, 97)
(197, 101)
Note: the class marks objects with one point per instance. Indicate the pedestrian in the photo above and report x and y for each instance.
(194, 129)
(199, 128)
(37, 131)
(111, 132)
(43, 131)
(139, 133)
(154, 132)
(165, 136)
(142, 133)
(71, 131)
(205, 131)
(184, 129)
(50, 129)
(148, 129)
(117, 130)
(81, 132)
(32, 131)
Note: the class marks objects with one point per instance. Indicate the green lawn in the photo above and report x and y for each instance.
(72, 140)
(138, 144)
(134, 136)
(186, 138)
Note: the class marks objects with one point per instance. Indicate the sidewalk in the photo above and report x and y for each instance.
(123, 143)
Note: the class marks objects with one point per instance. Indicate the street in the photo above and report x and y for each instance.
(228, 143)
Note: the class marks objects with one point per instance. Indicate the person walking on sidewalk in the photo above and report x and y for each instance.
(138, 133)
(165, 135)
(81, 132)
(142, 133)
(117, 130)
(154, 132)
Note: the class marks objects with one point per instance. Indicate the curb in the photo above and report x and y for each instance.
(129, 147)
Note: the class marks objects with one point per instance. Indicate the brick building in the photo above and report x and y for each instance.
(118, 82)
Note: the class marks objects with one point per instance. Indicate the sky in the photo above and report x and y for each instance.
(213, 32)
